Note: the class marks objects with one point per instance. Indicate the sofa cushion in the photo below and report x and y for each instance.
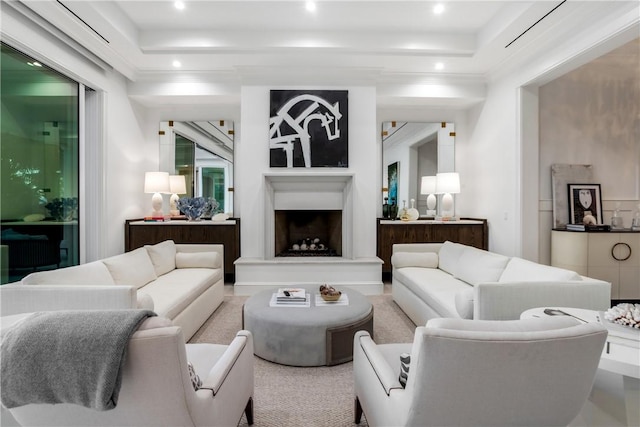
(521, 270)
(479, 266)
(174, 291)
(414, 259)
(163, 256)
(91, 273)
(449, 255)
(198, 260)
(433, 286)
(464, 303)
(132, 268)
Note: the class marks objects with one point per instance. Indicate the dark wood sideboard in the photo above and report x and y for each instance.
(138, 233)
(468, 231)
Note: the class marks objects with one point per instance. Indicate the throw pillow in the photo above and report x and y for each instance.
(132, 268)
(448, 257)
(479, 266)
(405, 360)
(163, 256)
(415, 259)
(195, 379)
(198, 260)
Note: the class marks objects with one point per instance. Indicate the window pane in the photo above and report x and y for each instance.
(39, 167)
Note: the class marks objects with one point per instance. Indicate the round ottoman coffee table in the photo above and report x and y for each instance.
(306, 336)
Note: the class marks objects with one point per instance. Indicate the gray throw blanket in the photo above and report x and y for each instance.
(67, 357)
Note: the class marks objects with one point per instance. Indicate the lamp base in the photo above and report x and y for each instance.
(156, 205)
(431, 212)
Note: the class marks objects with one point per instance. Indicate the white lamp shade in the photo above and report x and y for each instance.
(428, 185)
(156, 182)
(177, 184)
(447, 182)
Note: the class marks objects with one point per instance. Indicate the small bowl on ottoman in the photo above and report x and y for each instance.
(329, 293)
(331, 297)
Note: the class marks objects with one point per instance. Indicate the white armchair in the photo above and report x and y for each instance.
(533, 372)
(156, 387)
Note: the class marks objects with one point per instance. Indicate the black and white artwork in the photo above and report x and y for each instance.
(584, 199)
(309, 128)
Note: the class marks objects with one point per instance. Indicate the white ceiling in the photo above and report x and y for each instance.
(384, 43)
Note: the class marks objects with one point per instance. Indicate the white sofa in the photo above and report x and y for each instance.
(182, 282)
(432, 280)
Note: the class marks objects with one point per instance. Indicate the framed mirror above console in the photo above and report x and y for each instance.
(201, 151)
(412, 150)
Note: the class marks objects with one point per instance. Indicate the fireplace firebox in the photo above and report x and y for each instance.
(308, 233)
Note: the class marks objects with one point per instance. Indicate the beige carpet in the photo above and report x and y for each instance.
(311, 397)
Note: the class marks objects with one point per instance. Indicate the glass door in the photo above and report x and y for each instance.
(39, 180)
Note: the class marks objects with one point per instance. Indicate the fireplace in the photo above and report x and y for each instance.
(299, 208)
(308, 233)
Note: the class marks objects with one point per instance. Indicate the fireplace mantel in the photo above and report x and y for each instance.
(309, 191)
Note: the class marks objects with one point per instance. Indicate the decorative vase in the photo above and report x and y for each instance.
(385, 208)
(404, 216)
(635, 223)
(412, 212)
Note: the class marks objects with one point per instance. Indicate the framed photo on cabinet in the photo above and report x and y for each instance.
(584, 198)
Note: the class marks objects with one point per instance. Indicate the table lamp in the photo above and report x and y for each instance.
(447, 183)
(177, 185)
(156, 183)
(428, 186)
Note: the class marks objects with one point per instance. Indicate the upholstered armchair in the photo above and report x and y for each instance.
(533, 372)
(157, 389)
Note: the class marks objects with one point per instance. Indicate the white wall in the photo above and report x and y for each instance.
(488, 165)
(252, 161)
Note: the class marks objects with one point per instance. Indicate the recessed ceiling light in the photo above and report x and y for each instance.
(35, 64)
(179, 5)
(177, 64)
(438, 9)
(311, 6)
(439, 66)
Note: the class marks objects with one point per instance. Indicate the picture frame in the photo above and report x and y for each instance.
(582, 198)
(392, 182)
(309, 128)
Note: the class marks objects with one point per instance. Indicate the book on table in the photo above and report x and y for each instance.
(289, 295)
(588, 227)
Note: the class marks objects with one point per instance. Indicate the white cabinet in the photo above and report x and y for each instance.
(610, 256)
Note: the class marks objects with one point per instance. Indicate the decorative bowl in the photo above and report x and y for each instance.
(331, 297)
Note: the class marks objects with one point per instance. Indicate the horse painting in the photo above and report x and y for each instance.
(301, 120)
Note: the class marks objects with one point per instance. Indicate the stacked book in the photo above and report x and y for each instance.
(588, 227)
(290, 297)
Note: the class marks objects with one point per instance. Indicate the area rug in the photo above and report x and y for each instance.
(287, 396)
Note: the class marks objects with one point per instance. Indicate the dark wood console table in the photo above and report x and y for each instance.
(472, 232)
(138, 233)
